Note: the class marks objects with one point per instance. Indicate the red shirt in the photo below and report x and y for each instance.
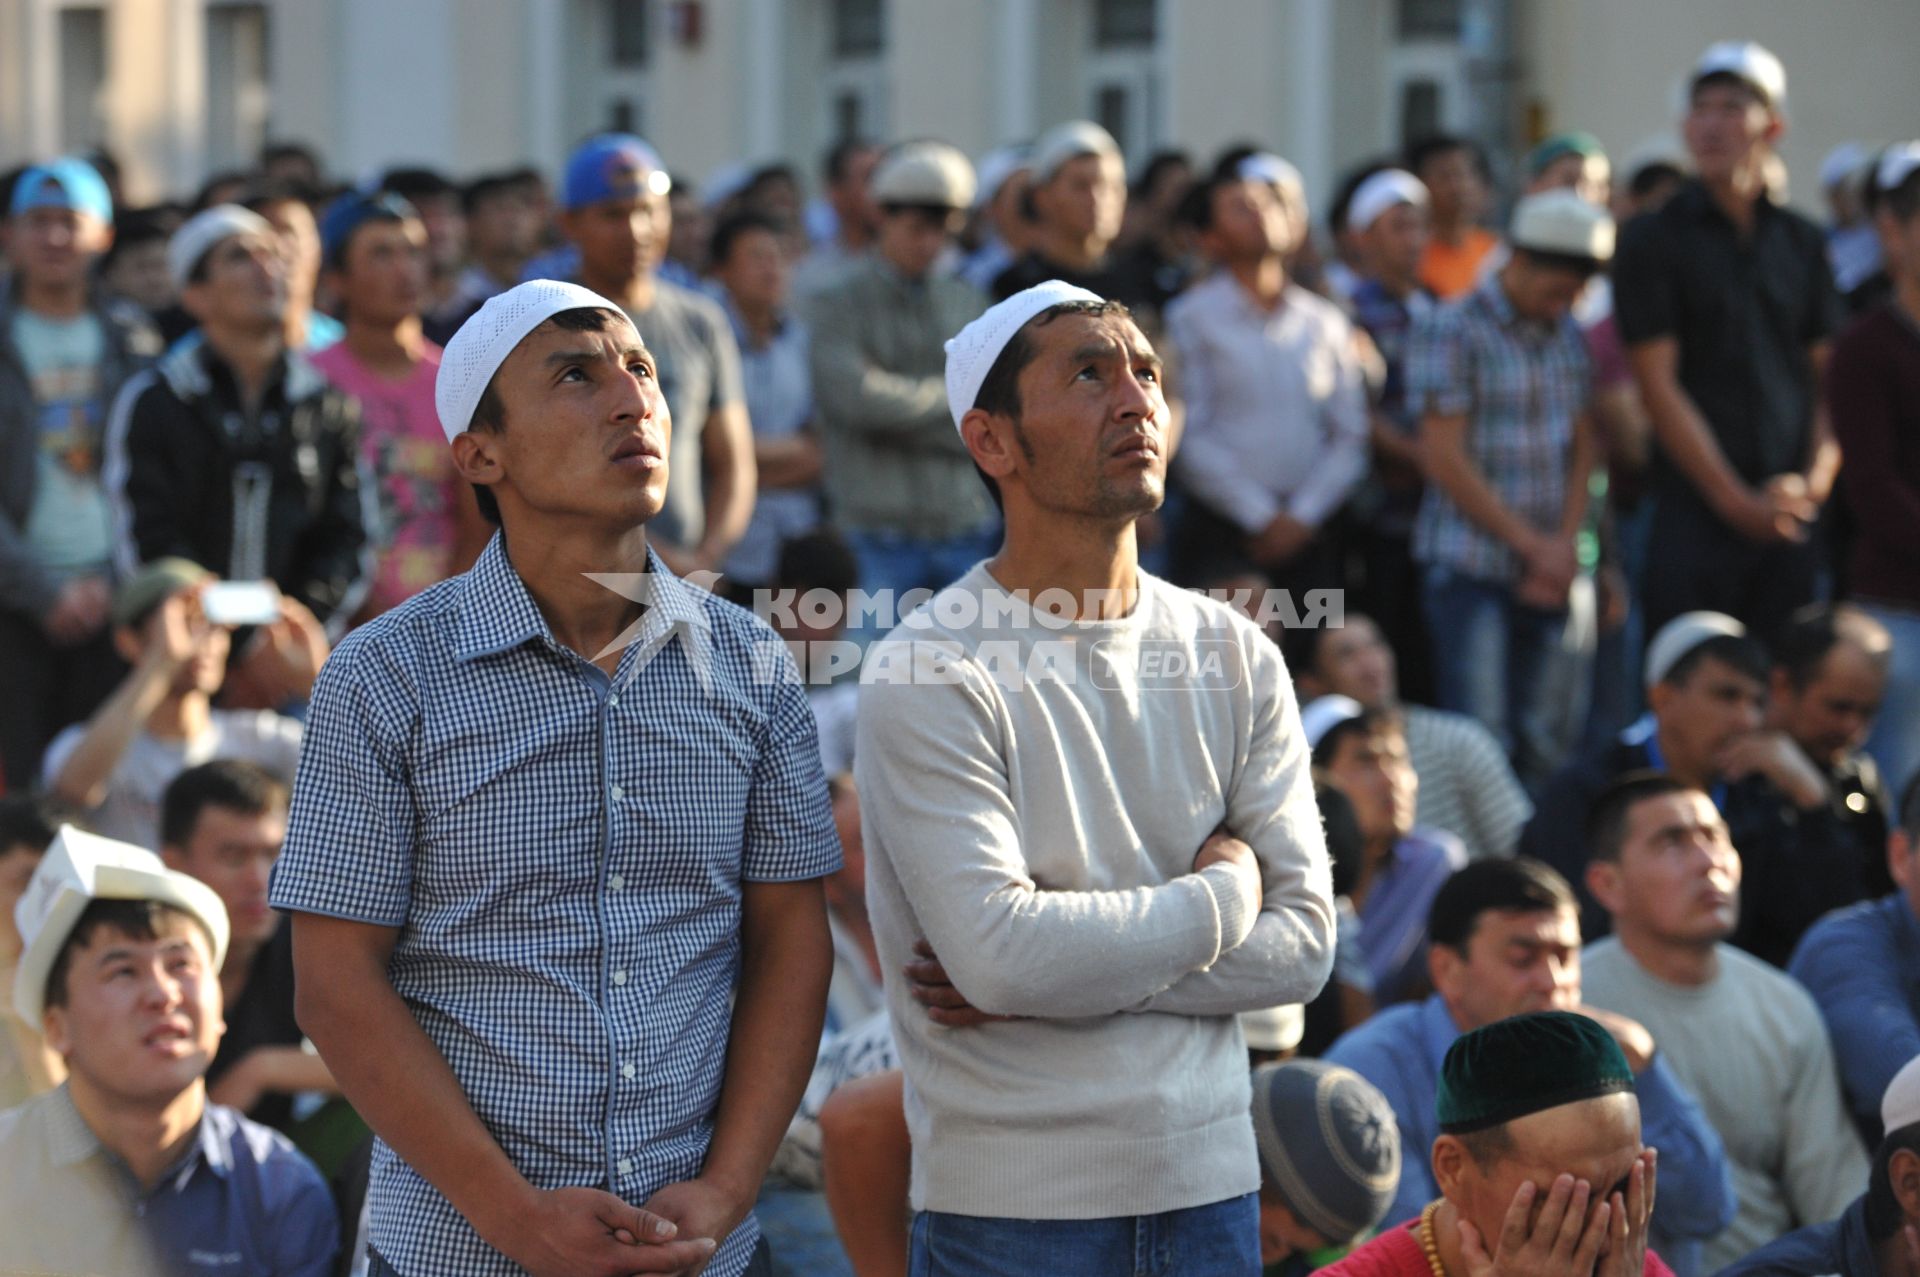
(1397, 1253)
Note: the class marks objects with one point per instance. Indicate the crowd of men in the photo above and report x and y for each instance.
(1553, 910)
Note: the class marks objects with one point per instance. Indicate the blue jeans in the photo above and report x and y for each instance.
(1491, 660)
(1895, 740)
(1221, 1240)
(900, 563)
(795, 1226)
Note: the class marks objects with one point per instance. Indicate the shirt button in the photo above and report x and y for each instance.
(619, 977)
(628, 1071)
(617, 793)
(614, 699)
(625, 1166)
(616, 882)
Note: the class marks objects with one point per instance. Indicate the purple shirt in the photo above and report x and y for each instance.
(1393, 921)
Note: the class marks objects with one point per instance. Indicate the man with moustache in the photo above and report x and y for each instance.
(1021, 741)
(566, 790)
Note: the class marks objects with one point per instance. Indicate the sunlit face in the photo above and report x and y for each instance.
(620, 239)
(299, 237)
(55, 247)
(1249, 222)
(233, 852)
(1677, 878)
(1588, 176)
(1726, 126)
(1091, 437)
(383, 277)
(1542, 293)
(506, 224)
(142, 1019)
(587, 430)
(1516, 962)
(1830, 717)
(1354, 660)
(1392, 247)
(243, 284)
(1596, 1140)
(1374, 772)
(1085, 198)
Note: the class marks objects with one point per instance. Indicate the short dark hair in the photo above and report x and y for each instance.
(1363, 726)
(136, 919)
(273, 152)
(1608, 814)
(263, 193)
(1883, 1208)
(1519, 885)
(1300, 646)
(1431, 147)
(817, 560)
(417, 184)
(488, 186)
(1651, 176)
(735, 227)
(833, 167)
(203, 198)
(231, 784)
(1000, 390)
(1157, 164)
(31, 820)
(1737, 651)
(1802, 644)
(491, 414)
(1567, 263)
(1196, 206)
(1346, 845)
(137, 227)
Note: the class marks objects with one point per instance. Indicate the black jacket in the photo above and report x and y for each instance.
(278, 493)
(1795, 865)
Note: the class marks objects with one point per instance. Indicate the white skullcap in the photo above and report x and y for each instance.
(197, 236)
(78, 869)
(1897, 164)
(1753, 64)
(1265, 166)
(1386, 189)
(1900, 1106)
(1324, 713)
(489, 336)
(1681, 635)
(1559, 221)
(1841, 163)
(1070, 141)
(997, 167)
(972, 350)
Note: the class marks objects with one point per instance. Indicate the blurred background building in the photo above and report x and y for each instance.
(180, 88)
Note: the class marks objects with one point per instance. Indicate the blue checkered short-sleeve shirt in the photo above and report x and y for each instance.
(563, 853)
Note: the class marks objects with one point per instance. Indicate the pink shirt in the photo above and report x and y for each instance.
(401, 439)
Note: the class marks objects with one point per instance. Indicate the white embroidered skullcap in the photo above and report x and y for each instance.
(1900, 1106)
(971, 351)
(489, 336)
(1384, 190)
(1681, 635)
(1324, 713)
(197, 236)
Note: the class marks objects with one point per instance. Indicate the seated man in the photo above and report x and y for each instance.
(1506, 942)
(27, 824)
(1706, 687)
(1829, 673)
(1329, 1159)
(1862, 966)
(1467, 786)
(161, 720)
(223, 823)
(1741, 1035)
(1877, 1236)
(1539, 1150)
(127, 1168)
(1363, 754)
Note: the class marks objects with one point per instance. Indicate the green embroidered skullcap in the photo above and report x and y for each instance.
(1561, 145)
(1527, 1064)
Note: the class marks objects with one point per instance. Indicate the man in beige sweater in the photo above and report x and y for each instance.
(1087, 806)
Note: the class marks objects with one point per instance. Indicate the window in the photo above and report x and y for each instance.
(1419, 111)
(859, 28)
(1430, 19)
(237, 96)
(1113, 109)
(83, 78)
(1121, 24)
(631, 38)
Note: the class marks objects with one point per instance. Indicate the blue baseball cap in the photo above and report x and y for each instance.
(352, 211)
(64, 183)
(612, 166)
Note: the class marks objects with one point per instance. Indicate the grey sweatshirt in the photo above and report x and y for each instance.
(1032, 801)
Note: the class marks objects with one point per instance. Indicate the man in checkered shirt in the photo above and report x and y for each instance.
(555, 851)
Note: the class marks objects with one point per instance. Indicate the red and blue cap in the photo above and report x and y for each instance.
(612, 166)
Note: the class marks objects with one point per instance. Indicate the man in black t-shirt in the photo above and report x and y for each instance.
(223, 823)
(1726, 303)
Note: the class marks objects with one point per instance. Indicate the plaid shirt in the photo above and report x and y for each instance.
(563, 853)
(1521, 385)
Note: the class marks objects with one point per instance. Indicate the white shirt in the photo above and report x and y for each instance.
(1276, 404)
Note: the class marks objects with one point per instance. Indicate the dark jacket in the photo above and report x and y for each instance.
(1795, 865)
(131, 344)
(277, 493)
